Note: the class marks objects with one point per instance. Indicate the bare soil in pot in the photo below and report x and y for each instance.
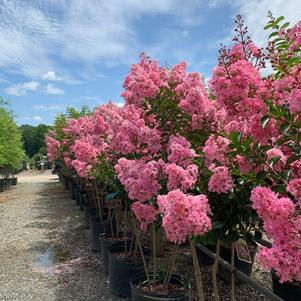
(142, 291)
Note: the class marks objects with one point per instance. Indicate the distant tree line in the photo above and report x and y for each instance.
(33, 138)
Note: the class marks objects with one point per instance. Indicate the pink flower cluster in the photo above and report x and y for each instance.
(179, 151)
(86, 155)
(220, 181)
(195, 101)
(139, 179)
(145, 214)
(275, 153)
(144, 81)
(283, 226)
(53, 146)
(180, 178)
(184, 215)
(216, 149)
(130, 135)
(294, 188)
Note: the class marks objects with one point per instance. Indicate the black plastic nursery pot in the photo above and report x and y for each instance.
(121, 271)
(73, 191)
(139, 294)
(107, 242)
(287, 291)
(14, 181)
(97, 227)
(82, 200)
(64, 182)
(89, 213)
(77, 196)
(6, 183)
(2, 186)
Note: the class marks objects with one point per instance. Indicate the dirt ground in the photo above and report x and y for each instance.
(44, 247)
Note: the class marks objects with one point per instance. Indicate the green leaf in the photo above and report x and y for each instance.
(286, 24)
(273, 161)
(292, 159)
(258, 234)
(268, 26)
(264, 120)
(284, 128)
(286, 174)
(273, 34)
(278, 20)
(112, 195)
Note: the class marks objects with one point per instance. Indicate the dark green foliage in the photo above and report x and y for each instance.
(34, 138)
(11, 150)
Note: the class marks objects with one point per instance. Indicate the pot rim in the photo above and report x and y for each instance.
(155, 295)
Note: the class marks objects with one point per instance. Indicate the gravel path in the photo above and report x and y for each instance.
(44, 249)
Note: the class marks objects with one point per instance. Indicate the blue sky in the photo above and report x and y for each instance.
(56, 53)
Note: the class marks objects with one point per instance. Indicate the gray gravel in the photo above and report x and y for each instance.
(44, 248)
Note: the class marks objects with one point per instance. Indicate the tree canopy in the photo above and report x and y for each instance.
(33, 138)
(11, 148)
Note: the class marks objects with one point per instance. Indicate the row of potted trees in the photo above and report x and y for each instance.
(190, 162)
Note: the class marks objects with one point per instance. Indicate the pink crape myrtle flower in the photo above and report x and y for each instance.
(68, 161)
(295, 35)
(296, 168)
(294, 188)
(244, 165)
(238, 83)
(277, 153)
(269, 205)
(216, 149)
(139, 179)
(52, 148)
(294, 100)
(180, 178)
(283, 227)
(82, 168)
(179, 151)
(260, 133)
(220, 181)
(130, 135)
(184, 215)
(145, 214)
(144, 81)
(177, 74)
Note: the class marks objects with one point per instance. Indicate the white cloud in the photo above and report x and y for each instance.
(51, 75)
(37, 118)
(32, 85)
(51, 89)
(21, 88)
(120, 104)
(46, 108)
